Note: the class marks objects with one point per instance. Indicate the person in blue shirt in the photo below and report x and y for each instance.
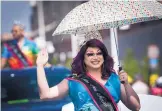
(94, 85)
(19, 52)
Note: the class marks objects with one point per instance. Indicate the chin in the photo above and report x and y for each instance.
(96, 67)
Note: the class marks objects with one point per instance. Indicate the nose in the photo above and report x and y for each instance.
(95, 56)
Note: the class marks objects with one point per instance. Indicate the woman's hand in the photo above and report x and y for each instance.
(123, 77)
(42, 58)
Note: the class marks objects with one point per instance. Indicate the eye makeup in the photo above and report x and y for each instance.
(90, 54)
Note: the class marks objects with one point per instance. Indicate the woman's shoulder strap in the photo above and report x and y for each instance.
(75, 76)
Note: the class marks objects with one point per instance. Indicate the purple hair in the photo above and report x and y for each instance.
(78, 66)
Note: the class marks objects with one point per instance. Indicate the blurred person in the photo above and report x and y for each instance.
(94, 85)
(17, 50)
(157, 89)
(139, 86)
(159, 82)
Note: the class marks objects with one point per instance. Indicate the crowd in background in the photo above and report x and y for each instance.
(19, 52)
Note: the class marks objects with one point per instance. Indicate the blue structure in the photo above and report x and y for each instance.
(20, 90)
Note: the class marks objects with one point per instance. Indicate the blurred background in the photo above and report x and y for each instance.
(140, 50)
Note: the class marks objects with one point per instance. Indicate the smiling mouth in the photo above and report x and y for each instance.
(95, 62)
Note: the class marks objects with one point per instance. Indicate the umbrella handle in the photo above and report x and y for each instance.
(120, 69)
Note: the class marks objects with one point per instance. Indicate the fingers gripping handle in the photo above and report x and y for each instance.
(120, 69)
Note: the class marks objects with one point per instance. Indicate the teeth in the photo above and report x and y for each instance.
(95, 63)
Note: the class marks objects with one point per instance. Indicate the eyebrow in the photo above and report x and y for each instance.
(97, 51)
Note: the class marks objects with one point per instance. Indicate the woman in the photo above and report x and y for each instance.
(95, 86)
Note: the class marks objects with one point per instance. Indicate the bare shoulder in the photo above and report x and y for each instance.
(64, 82)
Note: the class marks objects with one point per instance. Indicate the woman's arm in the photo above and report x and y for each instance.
(128, 95)
(45, 92)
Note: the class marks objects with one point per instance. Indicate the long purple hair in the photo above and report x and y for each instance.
(78, 66)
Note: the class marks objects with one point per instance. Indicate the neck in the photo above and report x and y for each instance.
(20, 39)
(95, 72)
